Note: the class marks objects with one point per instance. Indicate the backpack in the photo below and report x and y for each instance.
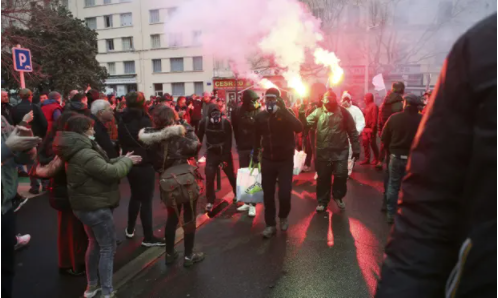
(220, 131)
(178, 185)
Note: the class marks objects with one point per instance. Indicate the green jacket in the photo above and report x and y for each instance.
(92, 179)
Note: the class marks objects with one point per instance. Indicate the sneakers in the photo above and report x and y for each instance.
(171, 258)
(316, 176)
(22, 241)
(91, 291)
(112, 295)
(269, 232)
(306, 169)
(284, 224)
(243, 208)
(18, 203)
(320, 208)
(209, 207)
(390, 218)
(129, 235)
(252, 211)
(196, 257)
(365, 162)
(202, 160)
(34, 190)
(340, 204)
(154, 241)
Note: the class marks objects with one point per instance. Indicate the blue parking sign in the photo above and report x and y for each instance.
(22, 59)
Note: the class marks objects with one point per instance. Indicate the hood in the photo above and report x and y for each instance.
(369, 98)
(393, 97)
(49, 102)
(68, 143)
(77, 106)
(212, 108)
(130, 114)
(157, 136)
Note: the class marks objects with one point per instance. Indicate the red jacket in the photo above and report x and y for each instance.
(48, 110)
(371, 115)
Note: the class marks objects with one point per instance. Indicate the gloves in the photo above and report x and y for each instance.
(355, 156)
(281, 103)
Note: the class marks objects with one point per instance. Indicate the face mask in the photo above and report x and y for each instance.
(91, 138)
(330, 105)
(271, 107)
(346, 103)
(256, 104)
(215, 118)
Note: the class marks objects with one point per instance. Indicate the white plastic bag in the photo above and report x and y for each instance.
(299, 160)
(249, 189)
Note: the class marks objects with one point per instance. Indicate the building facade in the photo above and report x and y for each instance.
(137, 53)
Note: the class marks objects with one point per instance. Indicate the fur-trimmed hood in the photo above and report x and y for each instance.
(149, 136)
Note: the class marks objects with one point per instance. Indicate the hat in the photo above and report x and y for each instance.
(413, 99)
(345, 95)
(54, 95)
(249, 96)
(272, 93)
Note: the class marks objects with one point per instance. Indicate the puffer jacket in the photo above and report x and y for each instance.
(92, 178)
(332, 133)
(393, 103)
(180, 141)
(443, 242)
(243, 121)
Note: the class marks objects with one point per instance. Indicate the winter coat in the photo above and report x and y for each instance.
(38, 125)
(275, 134)
(132, 121)
(243, 121)
(92, 178)
(10, 161)
(180, 141)
(52, 110)
(359, 119)
(218, 136)
(371, 116)
(393, 103)
(7, 110)
(77, 107)
(333, 132)
(445, 228)
(400, 130)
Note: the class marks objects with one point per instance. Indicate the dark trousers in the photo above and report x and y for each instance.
(9, 240)
(325, 170)
(141, 179)
(195, 125)
(386, 177)
(308, 142)
(189, 216)
(72, 241)
(397, 170)
(213, 161)
(244, 158)
(270, 172)
(370, 141)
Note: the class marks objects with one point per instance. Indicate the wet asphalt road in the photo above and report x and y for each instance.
(332, 254)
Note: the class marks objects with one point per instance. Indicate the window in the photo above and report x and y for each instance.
(197, 63)
(91, 23)
(155, 41)
(111, 68)
(108, 21)
(109, 44)
(127, 43)
(107, 1)
(196, 38)
(176, 64)
(126, 19)
(156, 65)
(175, 39)
(178, 89)
(154, 16)
(198, 87)
(129, 67)
(158, 89)
(89, 3)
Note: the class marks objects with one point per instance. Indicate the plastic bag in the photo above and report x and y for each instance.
(299, 160)
(249, 189)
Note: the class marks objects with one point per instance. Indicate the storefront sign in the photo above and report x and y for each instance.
(116, 81)
(229, 84)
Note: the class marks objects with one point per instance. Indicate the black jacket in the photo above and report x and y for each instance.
(333, 132)
(78, 107)
(400, 130)
(449, 192)
(393, 103)
(39, 124)
(243, 121)
(103, 139)
(275, 134)
(132, 121)
(218, 136)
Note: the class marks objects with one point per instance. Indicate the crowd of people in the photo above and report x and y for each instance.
(82, 148)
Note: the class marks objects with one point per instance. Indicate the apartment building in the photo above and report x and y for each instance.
(138, 54)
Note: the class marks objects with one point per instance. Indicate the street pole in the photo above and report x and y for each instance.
(21, 74)
(236, 92)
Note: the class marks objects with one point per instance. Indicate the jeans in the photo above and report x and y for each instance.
(99, 227)
(213, 161)
(397, 170)
(270, 171)
(141, 179)
(189, 217)
(325, 170)
(9, 240)
(369, 140)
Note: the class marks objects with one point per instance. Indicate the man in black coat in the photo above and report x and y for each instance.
(443, 243)
(218, 131)
(397, 136)
(275, 129)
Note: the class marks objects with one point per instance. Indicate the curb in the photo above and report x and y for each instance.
(151, 255)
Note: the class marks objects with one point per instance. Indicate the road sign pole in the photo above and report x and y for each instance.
(21, 74)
